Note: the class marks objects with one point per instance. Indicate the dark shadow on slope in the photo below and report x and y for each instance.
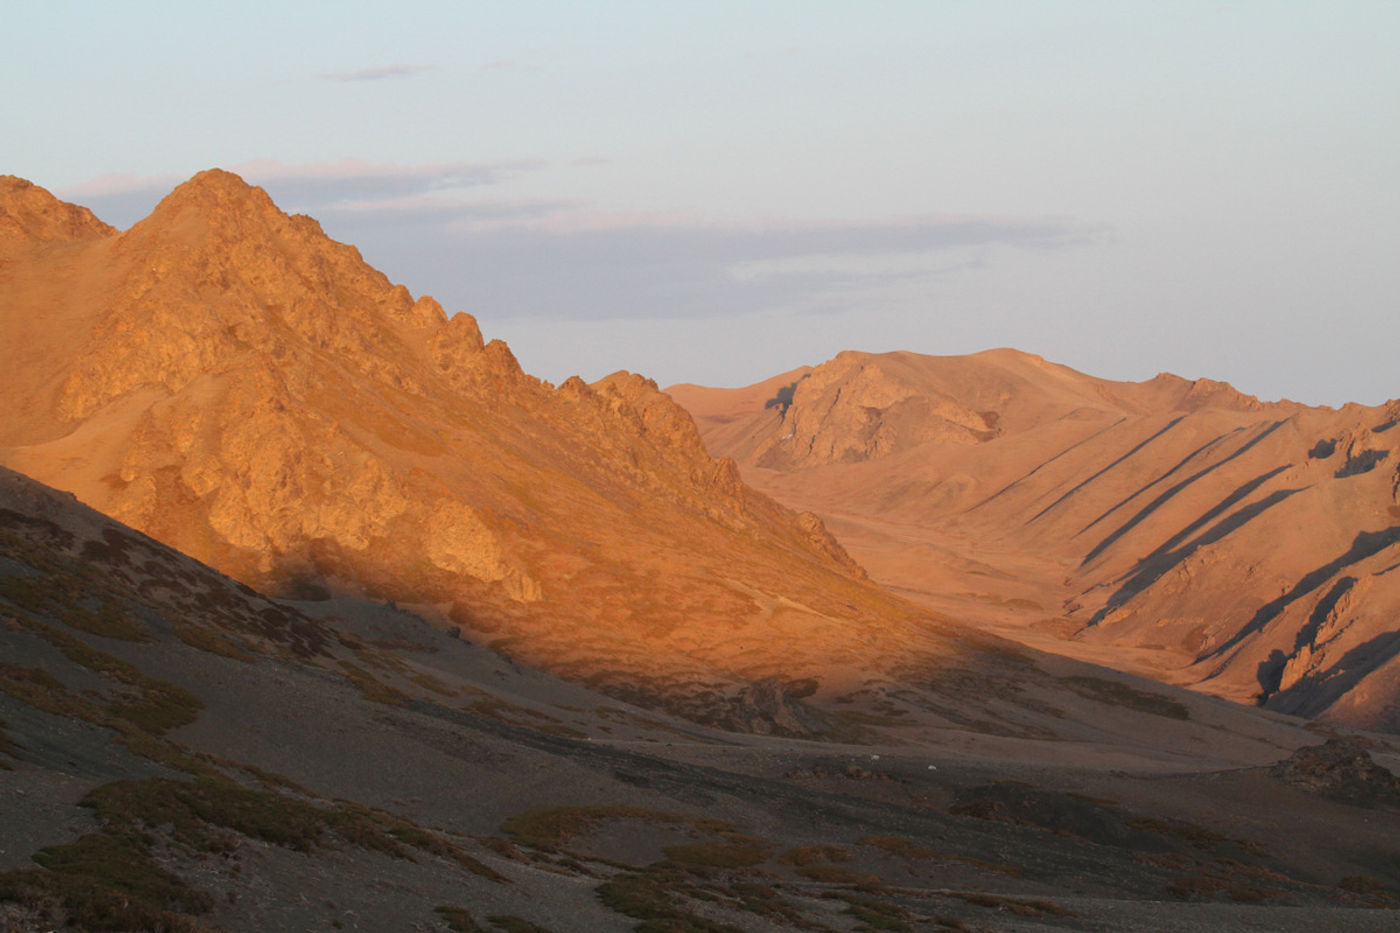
(1161, 500)
(1171, 424)
(1016, 482)
(1321, 611)
(1364, 462)
(1318, 690)
(1270, 672)
(1152, 568)
(1366, 544)
(1210, 515)
(1176, 466)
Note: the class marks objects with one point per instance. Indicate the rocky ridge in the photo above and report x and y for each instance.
(1177, 528)
(228, 379)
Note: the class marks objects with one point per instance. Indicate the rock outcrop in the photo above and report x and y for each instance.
(233, 382)
(1177, 528)
(1341, 769)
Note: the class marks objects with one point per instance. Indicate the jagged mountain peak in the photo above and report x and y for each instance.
(219, 208)
(234, 382)
(218, 185)
(31, 214)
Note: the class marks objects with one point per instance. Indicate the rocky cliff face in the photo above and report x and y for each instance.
(1175, 527)
(29, 215)
(233, 382)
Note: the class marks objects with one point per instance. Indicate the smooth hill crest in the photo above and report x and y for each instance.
(1176, 528)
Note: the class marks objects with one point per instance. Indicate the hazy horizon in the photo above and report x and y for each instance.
(716, 193)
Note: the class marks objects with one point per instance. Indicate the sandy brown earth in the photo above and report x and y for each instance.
(229, 380)
(1178, 529)
(182, 753)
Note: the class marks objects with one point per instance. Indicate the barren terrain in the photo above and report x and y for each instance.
(316, 612)
(181, 753)
(1177, 529)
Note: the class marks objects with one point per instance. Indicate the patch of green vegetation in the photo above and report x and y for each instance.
(385, 661)
(370, 687)
(1115, 693)
(733, 851)
(161, 706)
(173, 755)
(200, 814)
(157, 706)
(951, 923)
(45, 692)
(411, 834)
(108, 882)
(637, 895)
(58, 595)
(551, 827)
(875, 915)
(429, 682)
(1369, 885)
(898, 846)
(764, 901)
(1200, 837)
(458, 919)
(32, 592)
(110, 620)
(651, 897)
(205, 639)
(270, 779)
(503, 848)
(189, 809)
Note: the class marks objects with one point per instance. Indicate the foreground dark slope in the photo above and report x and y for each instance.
(178, 752)
(1175, 528)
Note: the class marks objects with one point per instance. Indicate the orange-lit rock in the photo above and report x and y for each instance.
(1180, 529)
(231, 381)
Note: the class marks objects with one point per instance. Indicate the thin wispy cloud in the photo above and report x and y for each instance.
(379, 73)
(312, 187)
(565, 262)
(452, 231)
(453, 213)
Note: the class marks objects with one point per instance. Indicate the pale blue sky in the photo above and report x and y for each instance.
(717, 192)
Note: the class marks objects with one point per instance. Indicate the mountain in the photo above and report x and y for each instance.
(181, 753)
(1179, 529)
(234, 383)
(377, 741)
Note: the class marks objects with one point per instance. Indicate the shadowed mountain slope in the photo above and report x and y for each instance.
(1179, 529)
(180, 753)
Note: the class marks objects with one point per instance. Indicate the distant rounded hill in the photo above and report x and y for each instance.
(1177, 528)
